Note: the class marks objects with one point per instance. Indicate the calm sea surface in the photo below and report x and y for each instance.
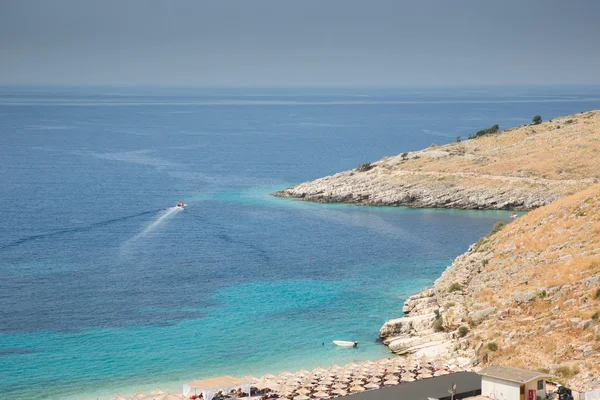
(106, 288)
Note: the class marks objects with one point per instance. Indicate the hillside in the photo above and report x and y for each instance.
(527, 295)
(518, 169)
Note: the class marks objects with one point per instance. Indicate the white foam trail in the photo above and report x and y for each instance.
(160, 219)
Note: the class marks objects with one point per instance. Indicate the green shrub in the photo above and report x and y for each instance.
(483, 132)
(455, 287)
(365, 167)
(462, 331)
(492, 346)
(450, 304)
(598, 294)
(537, 119)
(565, 372)
(438, 324)
(497, 228)
(569, 121)
(458, 139)
(484, 239)
(595, 315)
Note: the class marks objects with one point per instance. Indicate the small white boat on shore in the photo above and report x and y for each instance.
(345, 343)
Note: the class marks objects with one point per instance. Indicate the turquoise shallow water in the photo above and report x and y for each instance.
(106, 288)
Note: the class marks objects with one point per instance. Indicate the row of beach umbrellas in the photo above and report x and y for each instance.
(339, 381)
(321, 383)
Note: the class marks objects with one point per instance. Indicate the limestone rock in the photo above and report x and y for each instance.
(524, 297)
(402, 344)
(585, 324)
(407, 325)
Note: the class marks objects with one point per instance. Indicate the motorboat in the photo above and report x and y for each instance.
(180, 205)
(345, 343)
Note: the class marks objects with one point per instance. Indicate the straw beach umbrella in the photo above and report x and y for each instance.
(357, 388)
(378, 372)
(118, 397)
(321, 395)
(372, 385)
(389, 382)
(341, 392)
(301, 397)
(137, 396)
(286, 393)
(407, 378)
(288, 388)
(158, 391)
(303, 391)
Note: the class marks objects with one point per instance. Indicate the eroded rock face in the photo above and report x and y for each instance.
(413, 189)
(407, 325)
(403, 345)
(517, 299)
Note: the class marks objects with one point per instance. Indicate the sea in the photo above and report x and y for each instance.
(106, 287)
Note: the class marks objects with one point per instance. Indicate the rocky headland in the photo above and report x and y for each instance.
(517, 169)
(525, 295)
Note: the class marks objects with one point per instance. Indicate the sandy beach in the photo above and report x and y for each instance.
(325, 383)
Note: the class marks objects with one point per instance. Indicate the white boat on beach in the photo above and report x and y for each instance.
(345, 343)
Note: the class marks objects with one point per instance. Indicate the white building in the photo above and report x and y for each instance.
(509, 383)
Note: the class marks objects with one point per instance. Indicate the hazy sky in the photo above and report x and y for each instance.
(302, 42)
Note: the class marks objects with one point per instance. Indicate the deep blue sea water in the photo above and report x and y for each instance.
(107, 288)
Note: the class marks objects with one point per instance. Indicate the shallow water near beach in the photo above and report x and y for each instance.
(108, 288)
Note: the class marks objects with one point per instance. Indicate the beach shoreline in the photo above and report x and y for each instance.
(367, 375)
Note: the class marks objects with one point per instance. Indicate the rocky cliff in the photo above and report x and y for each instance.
(526, 295)
(517, 169)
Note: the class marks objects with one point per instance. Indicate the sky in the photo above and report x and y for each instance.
(299, 43)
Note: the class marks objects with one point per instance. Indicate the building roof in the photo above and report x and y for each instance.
(220, 382)
(511, 374)
(437, 388)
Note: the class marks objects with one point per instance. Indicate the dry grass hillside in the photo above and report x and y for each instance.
(531, 295)
(566, 148)
(519, 168)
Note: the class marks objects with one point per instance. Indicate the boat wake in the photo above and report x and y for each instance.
(73, 230)
(163, 217)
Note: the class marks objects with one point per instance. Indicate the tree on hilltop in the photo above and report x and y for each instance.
(537, 119)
